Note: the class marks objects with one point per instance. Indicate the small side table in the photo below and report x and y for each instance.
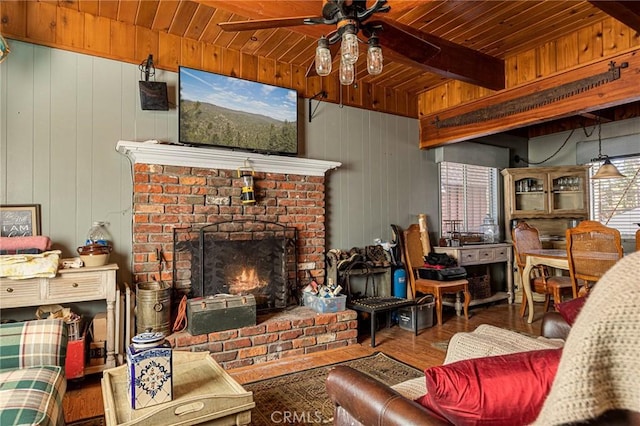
(202, 393)
(375, 305)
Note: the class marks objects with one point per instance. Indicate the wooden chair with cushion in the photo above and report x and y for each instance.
(414, 259)
(592, 249)
(526, 238)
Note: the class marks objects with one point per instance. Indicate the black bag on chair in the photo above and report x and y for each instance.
(441, 267)
(439, 259)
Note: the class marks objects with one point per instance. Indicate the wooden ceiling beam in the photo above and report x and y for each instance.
(627, 12)
(559, 96)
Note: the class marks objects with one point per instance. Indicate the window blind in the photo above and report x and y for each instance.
(467, 194)
(616, 202)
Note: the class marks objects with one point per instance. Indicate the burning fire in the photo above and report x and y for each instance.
(245, 282)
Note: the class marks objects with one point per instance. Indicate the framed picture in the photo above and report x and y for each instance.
(19, 220)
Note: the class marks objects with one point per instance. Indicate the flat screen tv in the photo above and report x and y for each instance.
(229, 112)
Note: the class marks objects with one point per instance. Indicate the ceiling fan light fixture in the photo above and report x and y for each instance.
(347, 73)
(349, 47)
(323, 57)
(374, 57)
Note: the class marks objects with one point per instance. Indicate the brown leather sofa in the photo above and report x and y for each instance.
(362, 400)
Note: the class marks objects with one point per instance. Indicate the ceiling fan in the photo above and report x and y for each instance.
(351, 18)
(402, 43)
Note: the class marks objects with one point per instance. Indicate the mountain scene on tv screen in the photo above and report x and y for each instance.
(205, 123)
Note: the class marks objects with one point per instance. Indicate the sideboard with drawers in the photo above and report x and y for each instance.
(485, 254)
(68, 286)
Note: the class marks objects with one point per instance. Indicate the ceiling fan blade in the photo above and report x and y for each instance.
(263, 24)
(393, 36)
(433, 54)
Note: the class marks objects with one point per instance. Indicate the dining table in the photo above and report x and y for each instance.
(554, 258)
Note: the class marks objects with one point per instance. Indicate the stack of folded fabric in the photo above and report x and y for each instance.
(23, 266)
(24, 245)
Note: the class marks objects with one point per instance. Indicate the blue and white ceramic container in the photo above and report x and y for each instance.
(150, 375)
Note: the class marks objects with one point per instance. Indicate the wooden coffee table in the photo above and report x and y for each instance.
(203, 393)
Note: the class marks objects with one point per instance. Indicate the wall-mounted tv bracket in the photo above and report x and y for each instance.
(322, 95)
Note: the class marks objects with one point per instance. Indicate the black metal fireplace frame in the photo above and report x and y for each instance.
(248, 226)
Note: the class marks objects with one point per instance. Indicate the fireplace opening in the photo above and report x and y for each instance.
(238, 257)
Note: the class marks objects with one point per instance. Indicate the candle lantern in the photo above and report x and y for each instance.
(246, 173)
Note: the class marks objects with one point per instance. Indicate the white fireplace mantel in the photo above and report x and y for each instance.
(213, 158)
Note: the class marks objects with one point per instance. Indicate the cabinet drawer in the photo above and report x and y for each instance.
(501, 254)
(486, 255)
(468, 257)
(15, 293)
(77, 287)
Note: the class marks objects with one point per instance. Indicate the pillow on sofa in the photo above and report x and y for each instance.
(498, 390)
(570, 309)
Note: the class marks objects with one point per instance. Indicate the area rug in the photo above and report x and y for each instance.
(300, 398)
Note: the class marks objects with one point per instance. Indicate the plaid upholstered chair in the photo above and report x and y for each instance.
(32, 380)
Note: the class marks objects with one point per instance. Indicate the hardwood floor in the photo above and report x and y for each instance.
(400, 344)
(84, 398)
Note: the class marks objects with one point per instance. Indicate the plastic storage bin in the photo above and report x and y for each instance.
(325, 304)
(422, 313)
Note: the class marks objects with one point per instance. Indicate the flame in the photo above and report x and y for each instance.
(246, 281)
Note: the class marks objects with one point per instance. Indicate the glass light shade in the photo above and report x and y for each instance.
(607, 171)
(323, 57)
(349, 48)
(374, 60)
(347, 73)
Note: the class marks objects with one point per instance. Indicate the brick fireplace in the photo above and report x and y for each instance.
(178, 186)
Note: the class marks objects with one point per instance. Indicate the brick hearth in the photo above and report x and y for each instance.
(296, 331)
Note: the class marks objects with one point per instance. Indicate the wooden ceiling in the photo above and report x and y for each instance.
(493, 29)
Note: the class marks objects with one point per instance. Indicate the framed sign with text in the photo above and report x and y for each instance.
(19, 220)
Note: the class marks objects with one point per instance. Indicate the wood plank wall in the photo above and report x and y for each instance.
(62, 113)
(49, 24)
(607, 38)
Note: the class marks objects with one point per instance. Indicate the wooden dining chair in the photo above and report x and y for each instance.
(592, 248)
(526, 238)
(414, 259)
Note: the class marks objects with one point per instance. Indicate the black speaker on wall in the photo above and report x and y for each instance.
(153, 96)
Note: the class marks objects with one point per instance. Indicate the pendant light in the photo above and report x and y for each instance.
(347, 73)
(323, 57)
(607, 170)
(349, 46)
(374, 56)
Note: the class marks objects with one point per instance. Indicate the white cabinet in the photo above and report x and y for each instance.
(70, 285)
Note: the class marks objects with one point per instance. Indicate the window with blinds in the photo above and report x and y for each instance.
(467, 194)
(616, 202)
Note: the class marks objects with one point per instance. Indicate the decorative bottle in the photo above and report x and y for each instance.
(98, 234)
(489, 230)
